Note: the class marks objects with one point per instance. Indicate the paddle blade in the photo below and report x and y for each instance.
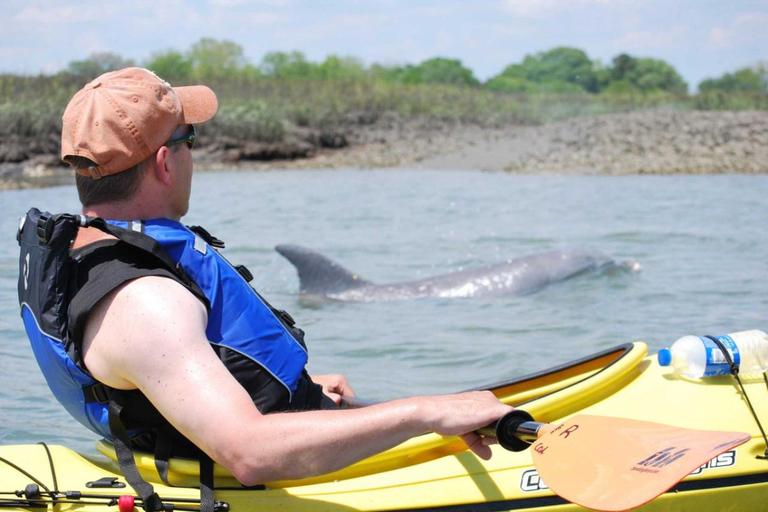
(616, 464)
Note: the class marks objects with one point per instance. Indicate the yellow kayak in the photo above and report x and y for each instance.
(435, 473)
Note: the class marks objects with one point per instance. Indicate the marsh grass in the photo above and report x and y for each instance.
(31, 107)
(272, 110)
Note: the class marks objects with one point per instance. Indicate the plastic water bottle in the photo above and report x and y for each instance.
(696, 356)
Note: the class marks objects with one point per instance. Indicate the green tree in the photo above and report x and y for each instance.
(643, 74)
(621, 87)
(511, 84)
(655, 74)
(410, 74)
(432, 71)
(385, 73)
(171, 65)
(97, 64)
(561, 65)
(341, 68)
(751, 79)
(623, 67)
(287, 65)
(251, 72)
(446, 71)
(216, 59)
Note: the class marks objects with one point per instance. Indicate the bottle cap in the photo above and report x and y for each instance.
(665, 357)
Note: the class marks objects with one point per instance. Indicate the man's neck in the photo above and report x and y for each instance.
(127, 212)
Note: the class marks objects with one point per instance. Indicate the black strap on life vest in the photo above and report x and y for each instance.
(164, 445)
(84, 300)
(734, 370)
(163, 451)
(146, 243)
(151, 502)
(207, 502)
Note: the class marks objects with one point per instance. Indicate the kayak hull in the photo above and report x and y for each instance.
(434, 473)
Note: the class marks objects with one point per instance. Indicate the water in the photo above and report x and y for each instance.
(702, 242)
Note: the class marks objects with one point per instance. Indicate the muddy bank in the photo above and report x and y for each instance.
(652, 142)
(655, 142)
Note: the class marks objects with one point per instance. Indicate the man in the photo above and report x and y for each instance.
(129, 134)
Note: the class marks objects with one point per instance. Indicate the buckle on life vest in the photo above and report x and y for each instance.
(153, 503)
(286, 317)
(22, 221)
(244, 273)
(44, 229)
(96, 393)
(207, 237)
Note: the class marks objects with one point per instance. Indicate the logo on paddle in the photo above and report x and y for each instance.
(561, 431)
(659, 460)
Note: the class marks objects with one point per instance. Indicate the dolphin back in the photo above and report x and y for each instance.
(319, 275)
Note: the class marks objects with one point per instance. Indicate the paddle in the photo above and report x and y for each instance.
(611, 464)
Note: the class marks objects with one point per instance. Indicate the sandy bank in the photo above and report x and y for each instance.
(629, 143)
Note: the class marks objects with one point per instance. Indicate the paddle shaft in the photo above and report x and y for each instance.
(515, 431)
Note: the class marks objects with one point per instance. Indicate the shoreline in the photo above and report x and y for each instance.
(640, 142)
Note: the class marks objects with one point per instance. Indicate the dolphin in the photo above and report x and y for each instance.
(321, 276)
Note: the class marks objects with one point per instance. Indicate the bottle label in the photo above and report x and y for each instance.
(717, 364)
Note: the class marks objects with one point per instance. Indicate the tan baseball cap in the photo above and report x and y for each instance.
(124, 116)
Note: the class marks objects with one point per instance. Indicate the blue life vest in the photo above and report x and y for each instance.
(239, 320)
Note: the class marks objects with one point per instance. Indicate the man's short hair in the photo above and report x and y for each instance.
(115, 187)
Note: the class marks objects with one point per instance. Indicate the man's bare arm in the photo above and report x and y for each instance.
(150, 335)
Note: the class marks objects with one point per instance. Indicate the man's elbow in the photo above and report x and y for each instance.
(250, 473)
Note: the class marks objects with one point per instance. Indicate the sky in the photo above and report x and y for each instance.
(700, 38)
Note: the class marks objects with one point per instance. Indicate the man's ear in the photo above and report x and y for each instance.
(163, 166)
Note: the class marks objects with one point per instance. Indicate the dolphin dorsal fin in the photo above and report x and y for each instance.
(319, 275)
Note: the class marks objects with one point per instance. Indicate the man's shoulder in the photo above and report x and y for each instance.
(153, 291)
(110, 271)
(149, 305)
(140, 319)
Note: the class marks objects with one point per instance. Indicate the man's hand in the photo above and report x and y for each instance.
(462, 414)
(334, 386)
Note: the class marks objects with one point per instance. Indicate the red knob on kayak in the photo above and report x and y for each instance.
(125, 503)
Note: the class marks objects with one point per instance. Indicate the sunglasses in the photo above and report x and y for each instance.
(189, 138)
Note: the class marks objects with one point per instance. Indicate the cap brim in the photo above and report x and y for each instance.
(198, 102)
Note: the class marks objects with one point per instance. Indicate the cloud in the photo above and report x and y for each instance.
(247, 3)
(543, 8)
(720, 37)
(50, 14)
(656, 39)
(755, 19)
(530, 8)
(263, 18)
(745, 27)
(506, 31)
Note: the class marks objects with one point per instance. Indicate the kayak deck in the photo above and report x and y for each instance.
(547, 395)
(431, 472)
